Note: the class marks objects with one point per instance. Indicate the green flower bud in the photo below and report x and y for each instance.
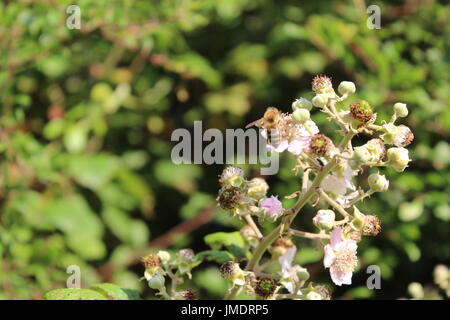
(312, 295)
(441, 275)
(324, 219)
(378, 182)
(398, 158)
(346, 87)
(415, 289)
(257, 188)
(301, 103)
(401, 110)
(156, 282)
(301, 115)
(163, 256)
(320, 100)
(361, 155)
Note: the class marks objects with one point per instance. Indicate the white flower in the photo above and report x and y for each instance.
(289, 273)
(340, 258)
(338, 182)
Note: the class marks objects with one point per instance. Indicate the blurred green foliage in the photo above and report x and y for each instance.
(86, 176)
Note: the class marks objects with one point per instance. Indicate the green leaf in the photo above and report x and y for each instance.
(74, 294)
(114, 292)
(219, 239)
(92, 171)
(215, 255)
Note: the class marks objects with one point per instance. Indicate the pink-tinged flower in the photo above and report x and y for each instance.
(272, 206)
(340, 257)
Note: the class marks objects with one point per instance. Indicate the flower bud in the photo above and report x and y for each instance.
(378, 182)
(320, 100)
(320, 145)
(232, 272)
(324, 219)
(441, 275)
(361, 155)
(186, 256)
(301, 103)
(371, 225)
(322, 84)
(415, 289)
(403, 136)
(265, 287)
(156, 282)
(257, 188)
(280, 246)
(271, 207)
(313, 295)
(301, 115)
(376, 149)
(163, 256)
(229, 198)
(232, 176)
(401, 110)
(362, 111)
(398, 158)
(346, 87)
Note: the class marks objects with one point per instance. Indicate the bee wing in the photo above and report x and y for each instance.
(257, 123)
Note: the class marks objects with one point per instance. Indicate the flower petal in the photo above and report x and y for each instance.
(335, 236)
(329, 256)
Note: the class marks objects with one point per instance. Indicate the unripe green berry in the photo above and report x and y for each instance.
(313, 296)
(301, 115)
(156, 282)
(378, 182)
(401, 110)
(301, 103)
(320, 100)
(346, 87)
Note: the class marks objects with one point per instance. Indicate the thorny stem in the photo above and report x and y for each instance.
(287, 221)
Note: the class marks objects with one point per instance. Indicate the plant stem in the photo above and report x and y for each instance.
(333, 203)
(253, 225)
(308, 235)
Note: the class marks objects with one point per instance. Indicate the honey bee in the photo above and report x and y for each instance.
(269, 122)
